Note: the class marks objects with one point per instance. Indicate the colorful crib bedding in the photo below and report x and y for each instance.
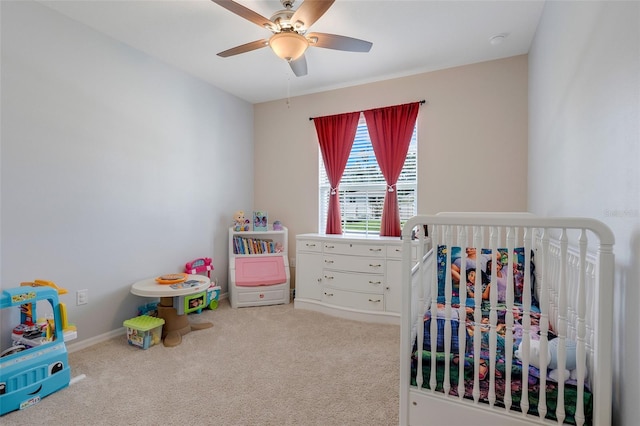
(517, 377)
(472, 328)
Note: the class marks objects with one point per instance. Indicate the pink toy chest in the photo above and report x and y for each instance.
(253, 272)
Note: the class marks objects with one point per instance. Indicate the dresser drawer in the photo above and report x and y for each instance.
(309, 245)
(354, 264)
(353, 300)
(395, 251)
(354, 249)
(365, 283)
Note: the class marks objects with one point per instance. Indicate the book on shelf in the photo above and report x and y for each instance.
(249, 245)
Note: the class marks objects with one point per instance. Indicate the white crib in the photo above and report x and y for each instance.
(476, 364)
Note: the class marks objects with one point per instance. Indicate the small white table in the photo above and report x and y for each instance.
(175, 325)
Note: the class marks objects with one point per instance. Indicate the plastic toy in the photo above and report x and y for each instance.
(150, 309)
(198, 301)
(171, 278)
(277, 226)
(197, 266)
(240, 223)
(144, 331)
(38, 366)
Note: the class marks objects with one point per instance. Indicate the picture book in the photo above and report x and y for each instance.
(260, 221)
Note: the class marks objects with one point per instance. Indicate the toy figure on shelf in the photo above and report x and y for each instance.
(240, 223)
(277, 225)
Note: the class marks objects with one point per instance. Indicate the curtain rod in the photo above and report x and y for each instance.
(420, 102)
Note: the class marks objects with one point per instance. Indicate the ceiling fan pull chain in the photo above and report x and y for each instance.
(288, 92)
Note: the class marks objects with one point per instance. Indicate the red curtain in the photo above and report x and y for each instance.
(390, 130)
(336, 134)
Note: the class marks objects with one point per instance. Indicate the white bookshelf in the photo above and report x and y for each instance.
(258, 244)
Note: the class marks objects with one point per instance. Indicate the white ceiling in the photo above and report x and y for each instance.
(408, 36)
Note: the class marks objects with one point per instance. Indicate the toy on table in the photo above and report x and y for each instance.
(197, 266)
(240, 223)
(171, 278)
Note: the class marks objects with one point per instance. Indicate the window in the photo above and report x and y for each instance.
(363, 187)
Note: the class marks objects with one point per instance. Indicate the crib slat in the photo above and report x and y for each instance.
(462, 345)
(562, 324)
(581, 329)
(544, 322)
(493, 317)
(526, 336)
(511, 235)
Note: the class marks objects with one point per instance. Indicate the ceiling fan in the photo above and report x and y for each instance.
(289, 27)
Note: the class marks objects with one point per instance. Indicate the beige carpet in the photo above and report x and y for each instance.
(270, 365)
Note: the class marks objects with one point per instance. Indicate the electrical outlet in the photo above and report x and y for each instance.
(82, 297)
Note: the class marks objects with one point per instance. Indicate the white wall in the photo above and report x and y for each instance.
(584, 149)
(115, 167)
(475, 116)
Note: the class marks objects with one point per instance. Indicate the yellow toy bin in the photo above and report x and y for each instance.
(144, 331)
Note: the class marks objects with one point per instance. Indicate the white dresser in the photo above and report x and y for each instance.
(354, 277)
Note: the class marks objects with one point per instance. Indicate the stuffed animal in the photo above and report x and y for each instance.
(571, 363)
(552, 359)
(239, 221)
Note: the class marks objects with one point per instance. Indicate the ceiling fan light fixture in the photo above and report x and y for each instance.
(288, 45)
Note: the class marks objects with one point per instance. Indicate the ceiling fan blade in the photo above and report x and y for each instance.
(244, 48)
(245, 13)
(310, 11)
(299, 66)
(338, 42)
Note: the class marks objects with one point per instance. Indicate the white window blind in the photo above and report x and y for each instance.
(362, 188)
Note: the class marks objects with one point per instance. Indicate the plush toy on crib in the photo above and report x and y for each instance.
(239, 221)
(556, 374)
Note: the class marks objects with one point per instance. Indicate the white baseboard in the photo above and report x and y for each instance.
(83, 344)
